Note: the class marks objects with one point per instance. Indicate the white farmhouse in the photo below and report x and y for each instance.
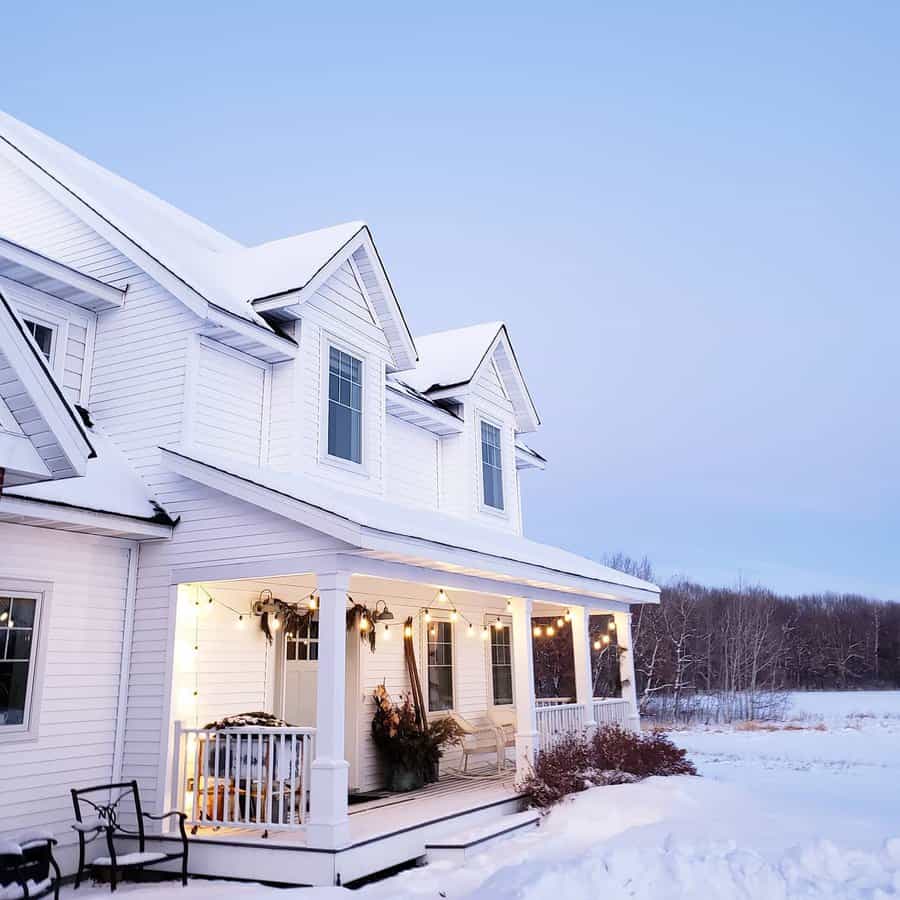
(201, 442)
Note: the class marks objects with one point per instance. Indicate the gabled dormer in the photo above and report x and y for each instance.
(474, 372)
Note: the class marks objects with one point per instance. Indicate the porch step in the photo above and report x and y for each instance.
(460, 847)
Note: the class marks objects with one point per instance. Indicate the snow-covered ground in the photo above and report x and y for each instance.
(810, 808)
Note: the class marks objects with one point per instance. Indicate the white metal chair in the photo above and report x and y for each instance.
(480, 739)
(503, 718)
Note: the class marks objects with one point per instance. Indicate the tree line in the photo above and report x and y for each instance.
(743, 646)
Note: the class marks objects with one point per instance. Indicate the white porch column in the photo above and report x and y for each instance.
(584, 677)
(328, 824)
(523, 669)
(626, 668)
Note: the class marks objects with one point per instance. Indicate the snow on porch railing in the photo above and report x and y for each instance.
(610, 711)
(557, 720)
(249, 776)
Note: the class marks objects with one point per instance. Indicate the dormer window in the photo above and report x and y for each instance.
(491, 466)
(344, 406)
(43, 336)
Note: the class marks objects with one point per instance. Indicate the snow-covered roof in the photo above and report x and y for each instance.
(369, 522)
(109, 485)
(285, 265)
(450, 358)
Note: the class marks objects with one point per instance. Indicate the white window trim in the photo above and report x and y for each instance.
(60, 328)
(338, 462)
(482, 506)
(441, 616)
(489, 620)
(41, 591)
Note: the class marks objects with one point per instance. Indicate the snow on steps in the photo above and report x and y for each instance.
(463, 845)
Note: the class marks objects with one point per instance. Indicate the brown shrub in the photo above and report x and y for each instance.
(611, 755)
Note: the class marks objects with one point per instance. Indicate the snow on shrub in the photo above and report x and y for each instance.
(610, 755)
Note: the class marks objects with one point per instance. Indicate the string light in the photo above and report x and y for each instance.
(470, 631)
(442, 596)
(407, 631)
(434, 631)
(363, 623)
(454, 615)
(537, 631)
(485, 633)
(240, 622)
(387, 632)
(311, 602)
(568, 615)
(427, 616)
(560, 622)
(597, 644)
(276, 623)
(4, 616)
(509, 604)
(498, 624)
(612, 625)
(550, 631)
(605, 638)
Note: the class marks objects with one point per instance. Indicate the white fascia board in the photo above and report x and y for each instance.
(428, 553)
(49, 515)
(421, 413)
(264, 497)
(375, 567)
(104, 296)
(526, 459)
(40, 387)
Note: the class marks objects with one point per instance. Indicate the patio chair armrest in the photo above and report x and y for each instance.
(165, 815)
(88, 827)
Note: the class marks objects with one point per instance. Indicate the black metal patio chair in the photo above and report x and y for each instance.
(27, 867)
(101, 814)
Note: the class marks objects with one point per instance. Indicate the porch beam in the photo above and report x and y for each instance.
(523, 672)
(438, 578)
(328, 825)
(581, 651)
(626, 668)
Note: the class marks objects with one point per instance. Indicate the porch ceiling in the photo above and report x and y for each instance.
(388, 540)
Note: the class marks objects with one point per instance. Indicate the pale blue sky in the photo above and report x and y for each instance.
(687, 216)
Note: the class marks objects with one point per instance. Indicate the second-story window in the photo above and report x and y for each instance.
(344, 406)
(491, 466)
(43, 336)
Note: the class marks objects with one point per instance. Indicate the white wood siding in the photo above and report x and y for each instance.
(231, 411)
(411, 464)
(77, 700)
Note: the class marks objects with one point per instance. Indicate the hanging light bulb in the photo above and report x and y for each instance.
(427, 616)
(597, 644)
(485, 633)
(311, 603)
(612, 625)
(240, 622)
(605, 639)
(454, 615)
(363, 623)
(442, 596)
(509, 604)
(407, 631)
(470, 631)
(550, 631)
(498, 624)
(433, 631)
(4, 615)
(568, 615)
(387, 632)
(560, 622)
(537, 631)
(276, 622)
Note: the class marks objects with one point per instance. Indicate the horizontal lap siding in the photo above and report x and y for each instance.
(230, 406)
(411, 464)
(78, 697)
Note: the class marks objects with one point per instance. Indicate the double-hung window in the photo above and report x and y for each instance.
(501, 666)
(43, 336)
(440, 666)
(491, 466)
(18, 642)
(304, 645)
(344, 406)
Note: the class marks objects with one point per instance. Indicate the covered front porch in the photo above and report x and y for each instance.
(284, 644)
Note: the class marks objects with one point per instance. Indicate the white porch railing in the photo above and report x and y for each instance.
(243, 776)
(557, 720)
(552, 701)
(610, 711)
